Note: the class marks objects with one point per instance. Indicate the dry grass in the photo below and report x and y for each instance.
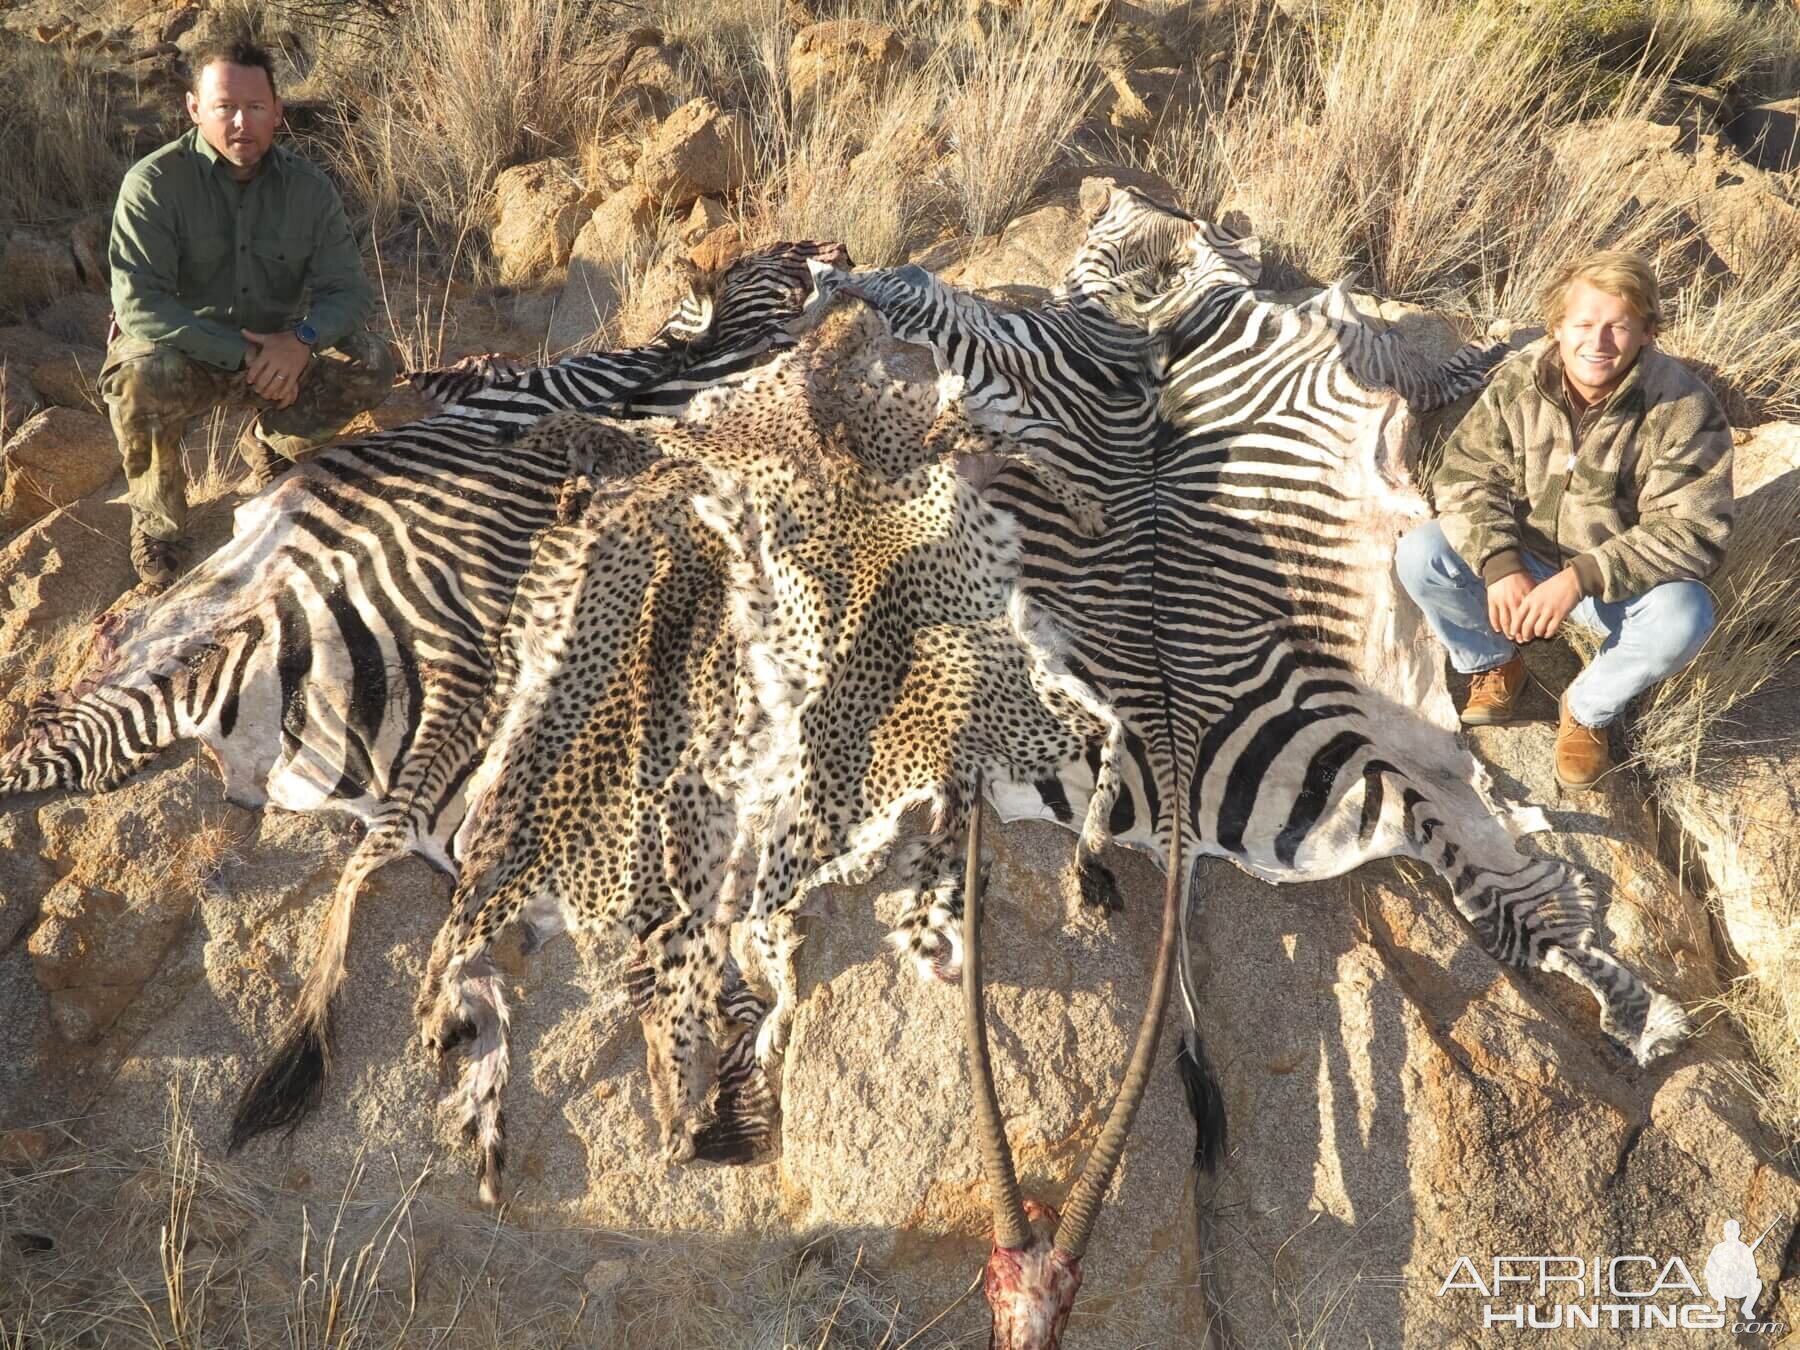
(1412, 152)
(62, 149)
(169, 1249)
(861, 172)
(1010, 102)
(209, 453)
(454, 92)
(1743, 334)
(1689, 729)
(1766, 1011)
(1708, 42)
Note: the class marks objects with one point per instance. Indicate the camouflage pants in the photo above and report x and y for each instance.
(152, 392)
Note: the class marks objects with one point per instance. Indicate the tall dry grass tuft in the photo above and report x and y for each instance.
(1010, 102)
(1742, 333)
(861, 171)
(1708, 42)
(460, 90)
(1404, 151)
(1689, 731)
(1766, 1010)
(62, 146)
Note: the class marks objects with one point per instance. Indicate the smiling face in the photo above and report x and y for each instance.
(1599, 336)
(237, 112)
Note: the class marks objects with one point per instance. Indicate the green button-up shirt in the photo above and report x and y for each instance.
(196, 255)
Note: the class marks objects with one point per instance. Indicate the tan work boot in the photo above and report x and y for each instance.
(1492, 694)
(154, 559)
(264, 464)
(1582, 754)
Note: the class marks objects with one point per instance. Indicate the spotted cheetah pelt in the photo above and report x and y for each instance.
(781, 636)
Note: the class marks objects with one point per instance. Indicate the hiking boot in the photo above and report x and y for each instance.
(1493, 694)
(1582, 754)
(264, 464)
(154, 560)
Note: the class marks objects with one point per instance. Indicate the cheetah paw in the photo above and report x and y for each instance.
(679, 1144)
(771, 1039)
(442, 1030)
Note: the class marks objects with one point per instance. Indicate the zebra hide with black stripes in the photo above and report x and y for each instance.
(336, 653)
(1240, 610)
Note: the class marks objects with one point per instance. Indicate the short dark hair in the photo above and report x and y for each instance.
(235, 49)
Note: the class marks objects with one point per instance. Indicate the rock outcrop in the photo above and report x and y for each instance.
(597, 261)
(56, 458)
(1397, 1100)
(34, 268)
(697, 151)
(844, 58)
(539, 208)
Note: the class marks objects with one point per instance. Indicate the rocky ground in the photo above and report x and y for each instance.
(1397, 1100)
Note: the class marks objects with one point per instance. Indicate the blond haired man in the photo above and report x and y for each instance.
(1591, 482)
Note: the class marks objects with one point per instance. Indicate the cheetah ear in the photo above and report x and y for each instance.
(977, 468)
(981, 469)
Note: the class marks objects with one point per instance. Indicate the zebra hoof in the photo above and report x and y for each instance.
(1666, 1026)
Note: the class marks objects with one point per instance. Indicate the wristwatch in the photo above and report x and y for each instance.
(306, 333)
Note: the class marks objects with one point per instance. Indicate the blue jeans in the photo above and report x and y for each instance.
(1646, 638)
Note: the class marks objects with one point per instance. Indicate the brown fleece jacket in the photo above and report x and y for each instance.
(1637, 492)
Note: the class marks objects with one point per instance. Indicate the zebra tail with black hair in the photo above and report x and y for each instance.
(1205, 1100)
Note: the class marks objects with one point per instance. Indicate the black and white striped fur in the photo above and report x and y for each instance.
(1239, 609)
(337, 652)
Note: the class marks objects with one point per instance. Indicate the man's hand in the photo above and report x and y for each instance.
(1504, 598)
(277, 365)
(1542, 612)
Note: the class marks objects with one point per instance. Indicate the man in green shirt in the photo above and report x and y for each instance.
(235, 279)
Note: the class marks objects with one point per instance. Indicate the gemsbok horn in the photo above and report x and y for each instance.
(1031, 1280)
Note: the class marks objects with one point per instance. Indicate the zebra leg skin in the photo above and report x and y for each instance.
(1539, 912)
(746, 1114)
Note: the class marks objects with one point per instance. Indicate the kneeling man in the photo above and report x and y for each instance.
(235, 279)
(1591, 481)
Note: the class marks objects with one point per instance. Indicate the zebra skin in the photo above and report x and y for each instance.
(336, 653)
(1239, 609)
(1182, 499)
